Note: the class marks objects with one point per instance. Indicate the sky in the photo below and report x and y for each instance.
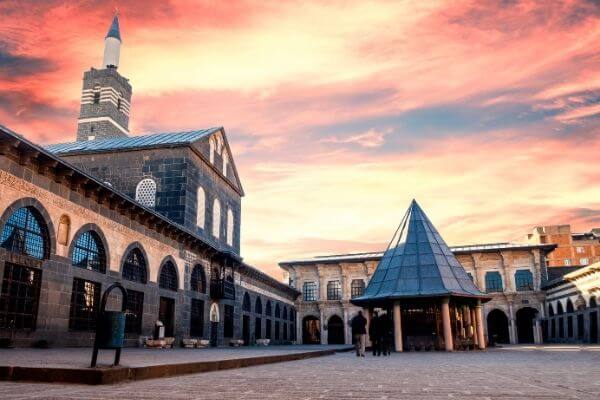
(338, 113)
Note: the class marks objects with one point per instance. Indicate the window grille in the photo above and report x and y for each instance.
(145, 192)
(85, 303)
(493, 282)
(524, 280)
(309, 291)
(168, 277)
(135, 311)
(25, 233)
(198, 280)
(228, 321)
(197, 318)
(19, 298)
(334, 290)
(134, 267)
(88, 252)
(357, 288)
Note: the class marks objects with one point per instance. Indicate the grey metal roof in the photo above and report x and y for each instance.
(114, 31)
(418, 263)
(132, 142)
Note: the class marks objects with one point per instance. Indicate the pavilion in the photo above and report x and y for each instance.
(434, 302)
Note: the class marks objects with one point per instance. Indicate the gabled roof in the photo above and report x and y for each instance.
(114, 31)
(132, 142)
(418, 263)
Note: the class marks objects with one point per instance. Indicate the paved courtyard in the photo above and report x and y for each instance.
(513, 373)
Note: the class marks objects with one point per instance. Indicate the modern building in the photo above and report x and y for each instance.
(511, 274)
(572, 312)
(160, 213)
(573, 249)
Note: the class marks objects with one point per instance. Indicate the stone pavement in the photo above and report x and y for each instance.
(559, 372)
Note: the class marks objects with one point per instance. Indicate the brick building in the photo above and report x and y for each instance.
(573, 249)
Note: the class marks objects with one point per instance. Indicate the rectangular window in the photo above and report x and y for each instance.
(228, 321)
(285, 331)
(567, 261)
(19, 297)
(569, 326)
(197, 318)
(85, 304)
(268, 329)
(357, 288)
(524, 280)
(309, 291)
(257, 328)
(583, 261)
(579, 249)
(276, 330)
(493, 282)
(334, 290)
(135, 310)
(561, 328)
(580, 328)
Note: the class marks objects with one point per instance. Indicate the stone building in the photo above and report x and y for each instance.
(572, 312)
(159, 213)
(573, 249)
(510, 273)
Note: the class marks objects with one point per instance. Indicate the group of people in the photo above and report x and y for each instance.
(381, 333)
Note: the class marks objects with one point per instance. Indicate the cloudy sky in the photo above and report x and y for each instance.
(340, 112)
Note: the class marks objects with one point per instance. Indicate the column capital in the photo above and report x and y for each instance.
(445, 300)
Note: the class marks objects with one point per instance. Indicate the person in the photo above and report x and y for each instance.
(387, 334)
(359, 332)
(375, 334)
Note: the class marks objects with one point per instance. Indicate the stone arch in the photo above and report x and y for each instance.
(258, 309)
(98, 231)
(525, 321)
(550, 310)
(311, 330)
(570, 307)
(559, 308)
(135, 246)
(198, 279)
(335, 330)
(497, 327)
(246, 304)
(43, 213)
(164, 262)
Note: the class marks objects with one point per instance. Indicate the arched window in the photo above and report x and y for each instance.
(89, 253)
(258, 306)
(493, 282)
(134, 267)
(292, 314)
(524, 280)
(357, 288)
(225, 163)
(570, 307)
(246, 303)
(285, 315)
(550, 310)
(216, 218)
(559, 308)
(198, 280)
(168, 277)
(212, 148)
(309, 291)
(593, 302)
(201, 207)
(229, 227)
(277, 311)
(145, 192)
(334, 290)
(26, 233)
(268, 310)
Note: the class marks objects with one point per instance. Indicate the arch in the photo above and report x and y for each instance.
(277, 311)
(311, 330)
(167, 276)
(284, 314)
(593, 302)
(335, 330)
(40, 212)
(214, 313)
(268, 309)
(145, 192)
(212, 147)
(246, 303)
(258, 306)
(570, 307)
(64, 228)
(134, 265)
(225, 163)
(230, 225)
(497, 326)
(89, 249)
(559, 308)
(550, 310)
(292, 315)
(216, 218)
(201, 207)
(525, 320)
(198, 279)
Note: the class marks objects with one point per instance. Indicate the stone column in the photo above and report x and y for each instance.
(537, 332)
(479, 323)
(347, 338)
(299, 336)
(397, 326)
(322, 321)
(512, 328)
(447, 325)
(474, 326)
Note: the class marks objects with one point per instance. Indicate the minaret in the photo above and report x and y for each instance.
(106, 95)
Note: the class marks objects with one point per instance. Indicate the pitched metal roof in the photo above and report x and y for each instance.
(114, 31)
(418, 263)
(132, 142)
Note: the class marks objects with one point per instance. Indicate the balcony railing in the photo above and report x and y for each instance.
(222, 289)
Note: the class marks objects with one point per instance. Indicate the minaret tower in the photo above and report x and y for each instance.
(106, 95)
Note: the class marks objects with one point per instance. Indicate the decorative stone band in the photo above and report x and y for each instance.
(100, 119)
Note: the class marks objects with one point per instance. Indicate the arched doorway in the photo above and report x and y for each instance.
(525, 324)
(335, 330)
(497, 326)
(214, 324)
(311, 330)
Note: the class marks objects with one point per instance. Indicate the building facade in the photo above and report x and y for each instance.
(511, 274)
(573, 250)
(572, 312)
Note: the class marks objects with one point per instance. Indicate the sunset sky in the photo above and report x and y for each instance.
(339, 113)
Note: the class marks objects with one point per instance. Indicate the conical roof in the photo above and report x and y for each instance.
(114, 29)
(417, 263)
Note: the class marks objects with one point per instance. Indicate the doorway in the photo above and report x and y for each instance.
(335, 330)
(311, 330)
(525, 324)
(246, 329)
(166, 314)
(497, 324)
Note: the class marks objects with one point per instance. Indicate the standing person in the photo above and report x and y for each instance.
(375, 334)
(387, 334)
(359, 332)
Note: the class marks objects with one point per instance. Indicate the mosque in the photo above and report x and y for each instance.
(161, 214)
